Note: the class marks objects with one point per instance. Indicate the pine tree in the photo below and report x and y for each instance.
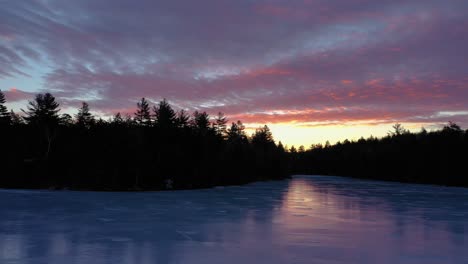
(182, 119)
(398, 130)
(452, 127)
(201, 122)
(43, 110)
(117, 119)
(165, 116)
(143, 115)
(263, 137)
(84, 118)
(301, 149)
(281, 147)
(236, 132)
(5, 118)
(66, 120)
(220, 125)
(16, 119)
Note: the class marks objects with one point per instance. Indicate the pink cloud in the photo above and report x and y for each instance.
(15, 95)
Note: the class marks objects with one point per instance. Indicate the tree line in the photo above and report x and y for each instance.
(435, 157)
(160, 148)
(156, 148)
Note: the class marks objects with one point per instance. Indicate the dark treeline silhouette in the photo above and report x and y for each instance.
(436, 157)
(157, 148)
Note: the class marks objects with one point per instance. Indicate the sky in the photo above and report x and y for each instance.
(312, 70)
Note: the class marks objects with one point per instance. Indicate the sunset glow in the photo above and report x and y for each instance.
(311, 70)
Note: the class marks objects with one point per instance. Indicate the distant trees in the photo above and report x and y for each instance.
(436, 157)
(117, 119)
(5, 118)
(165, 116)
(236, 133)
(219, 124)
(143, 114)
(16, 119)
(263, 137)
(398, 130)
(66, 119)
(182, 119)
(201, 122)
(452, 128)
(84, 118)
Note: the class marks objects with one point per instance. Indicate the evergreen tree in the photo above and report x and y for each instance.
(43, 110)
(263, 137)
(220, 125)
(236, 132)
(165, 116)
(66, 120)
(117, 119)
(293, 150)
(84, 118)
(182, 119)
(201, 121)
(301, 149)
(100, 122)
(5, 118)
(128, 120)
(281, 147)
(16, 119)
(143, 115)
(398, 130)
(452, 127)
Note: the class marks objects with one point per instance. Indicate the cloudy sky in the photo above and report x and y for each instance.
(311, 69)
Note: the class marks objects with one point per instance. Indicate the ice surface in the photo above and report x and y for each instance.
(309, 219)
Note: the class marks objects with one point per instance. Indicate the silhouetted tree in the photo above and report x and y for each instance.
(301, 149)
(165, 116)
(293, 150)
(182, 119)
(66, 120)
(117, 119)
(201, 122)
(220, 125)
(84, 118)
(263, 137)
(43, 112)
(281, 147)
(16, 119)
(236, 132)
(5, 118)
(143, 115)
(398, 130)
(452, 127)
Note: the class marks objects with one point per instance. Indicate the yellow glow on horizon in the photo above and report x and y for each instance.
(299, 134)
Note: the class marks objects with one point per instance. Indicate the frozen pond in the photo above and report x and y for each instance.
(309, 219)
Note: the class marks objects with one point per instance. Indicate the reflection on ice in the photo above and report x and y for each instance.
(304, 220)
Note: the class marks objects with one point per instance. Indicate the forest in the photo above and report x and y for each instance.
(435, 157)
(159, 148)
